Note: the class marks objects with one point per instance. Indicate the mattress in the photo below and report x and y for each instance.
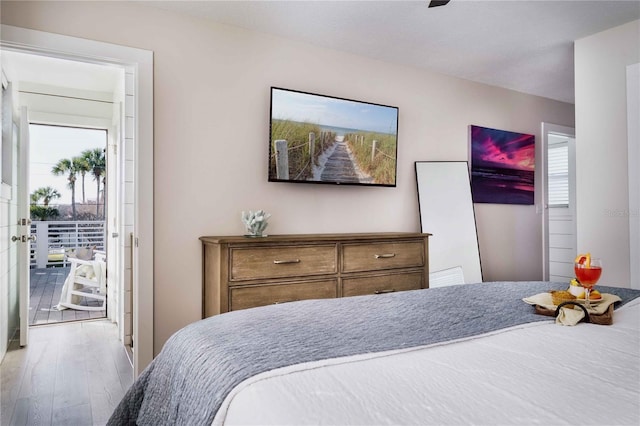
(392, 359)
(536, 373)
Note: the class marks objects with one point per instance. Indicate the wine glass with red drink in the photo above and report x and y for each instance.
(588, 275)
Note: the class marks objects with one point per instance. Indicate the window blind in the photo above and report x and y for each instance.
(558, 175)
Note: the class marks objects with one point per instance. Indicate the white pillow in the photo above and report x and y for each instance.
(83, 253)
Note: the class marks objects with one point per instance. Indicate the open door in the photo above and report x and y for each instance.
(24, 237)
(113, 215)
(559, 213)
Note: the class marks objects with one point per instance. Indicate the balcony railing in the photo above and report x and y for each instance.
(53, 238)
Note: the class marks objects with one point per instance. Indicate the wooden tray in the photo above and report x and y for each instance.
(605, 318)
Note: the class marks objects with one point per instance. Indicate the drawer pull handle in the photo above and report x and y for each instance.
(384, 291)
(384, 256)
(284, 262)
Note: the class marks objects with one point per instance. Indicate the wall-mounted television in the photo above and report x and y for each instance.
(325, 139)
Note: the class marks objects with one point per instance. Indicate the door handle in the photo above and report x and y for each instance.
(23, 238)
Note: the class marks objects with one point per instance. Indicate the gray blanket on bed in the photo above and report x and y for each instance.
(200, 364)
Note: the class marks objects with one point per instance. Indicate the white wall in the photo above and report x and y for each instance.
(211, 111)
(601, 147)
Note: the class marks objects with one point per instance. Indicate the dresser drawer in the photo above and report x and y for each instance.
(381, 284)
(253, 296)
(280, 262)
(240, 273)
(380, 256)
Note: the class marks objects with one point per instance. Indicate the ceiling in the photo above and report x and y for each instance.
(524, 45)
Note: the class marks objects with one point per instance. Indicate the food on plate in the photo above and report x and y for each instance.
(577, 291)
(595, 295)
(559, 296)
(584, 259)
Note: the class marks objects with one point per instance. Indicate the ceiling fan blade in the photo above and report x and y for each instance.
(436, 3)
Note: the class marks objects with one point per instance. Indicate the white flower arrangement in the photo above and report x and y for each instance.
(255, 222)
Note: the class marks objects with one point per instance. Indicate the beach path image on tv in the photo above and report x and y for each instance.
(315, 138)
(340, 165)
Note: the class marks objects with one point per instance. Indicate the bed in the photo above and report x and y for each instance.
(469, 354)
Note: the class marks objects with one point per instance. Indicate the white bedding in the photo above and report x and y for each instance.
(539, 373)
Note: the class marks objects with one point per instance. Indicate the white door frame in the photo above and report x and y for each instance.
(547, 129)
(141, 63)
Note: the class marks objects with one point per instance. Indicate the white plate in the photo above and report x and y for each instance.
(590, 300)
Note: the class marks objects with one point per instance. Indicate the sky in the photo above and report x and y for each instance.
(304, 107)
(491, 147)
(48, 145)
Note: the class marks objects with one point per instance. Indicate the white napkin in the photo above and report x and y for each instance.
(572, 315)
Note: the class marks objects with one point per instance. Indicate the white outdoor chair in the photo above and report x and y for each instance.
(88, 279)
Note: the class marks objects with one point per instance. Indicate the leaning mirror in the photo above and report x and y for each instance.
(446, 212)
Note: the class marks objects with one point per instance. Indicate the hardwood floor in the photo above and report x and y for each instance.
(69, 374)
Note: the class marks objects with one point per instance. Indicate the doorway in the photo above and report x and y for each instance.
(136, 129)
(67, 193)
(79, 106)
(559, 213)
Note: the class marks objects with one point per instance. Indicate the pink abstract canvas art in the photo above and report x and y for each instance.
(502, 166)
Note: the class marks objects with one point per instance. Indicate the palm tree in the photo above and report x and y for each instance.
(35, 197)
(66, 166)
(83, 167)
(46, 194)
(97, 164)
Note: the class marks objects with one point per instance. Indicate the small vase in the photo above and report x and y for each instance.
(255, 223)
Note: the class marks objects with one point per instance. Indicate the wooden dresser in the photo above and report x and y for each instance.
(241, 272)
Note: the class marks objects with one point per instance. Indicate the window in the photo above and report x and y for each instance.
(558, 174)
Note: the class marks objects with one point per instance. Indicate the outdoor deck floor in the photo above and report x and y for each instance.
(46, 286)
